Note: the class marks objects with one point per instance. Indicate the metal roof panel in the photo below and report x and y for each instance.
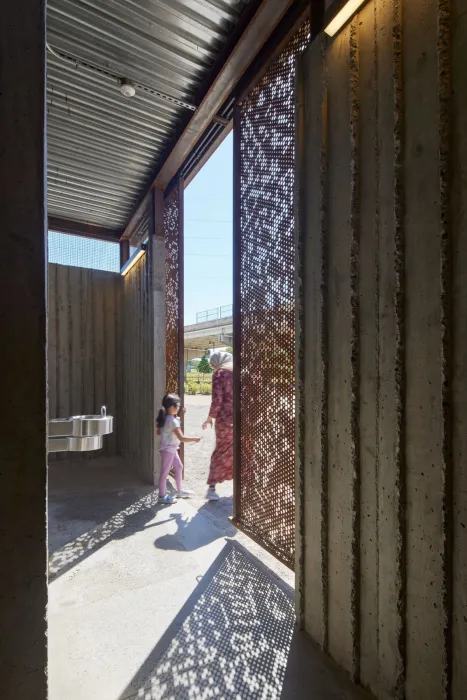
(102, 147)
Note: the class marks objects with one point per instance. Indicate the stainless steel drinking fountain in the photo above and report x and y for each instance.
(79, 433)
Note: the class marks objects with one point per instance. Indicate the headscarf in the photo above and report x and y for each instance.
(221, 360)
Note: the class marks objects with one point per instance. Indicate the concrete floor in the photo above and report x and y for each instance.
(166, 603)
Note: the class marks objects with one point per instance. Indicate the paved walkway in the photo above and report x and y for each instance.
(166, 603)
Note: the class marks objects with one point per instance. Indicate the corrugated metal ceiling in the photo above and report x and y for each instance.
(102, 147)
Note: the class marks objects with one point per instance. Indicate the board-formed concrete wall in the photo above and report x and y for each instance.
(382, 252)
(84, 349)
(144, 323)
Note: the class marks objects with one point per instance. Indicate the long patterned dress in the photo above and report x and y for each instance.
(221, 410)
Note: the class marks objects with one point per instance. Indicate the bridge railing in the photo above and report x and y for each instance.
(214, 314)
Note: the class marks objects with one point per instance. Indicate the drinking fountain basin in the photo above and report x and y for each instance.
(76, 444)
(81, 426)
(79, 433)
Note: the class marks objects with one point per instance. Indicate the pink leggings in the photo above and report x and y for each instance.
(169, 460)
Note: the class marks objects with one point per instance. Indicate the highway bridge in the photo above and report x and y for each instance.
(201, 337)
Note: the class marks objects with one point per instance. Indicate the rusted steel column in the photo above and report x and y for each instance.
(124, 251)
(23, 412)
(174, 330)
(236, 325)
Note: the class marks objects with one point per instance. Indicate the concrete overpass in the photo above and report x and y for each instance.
(200, 337)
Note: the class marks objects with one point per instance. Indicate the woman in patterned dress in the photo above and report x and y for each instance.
(221, 411)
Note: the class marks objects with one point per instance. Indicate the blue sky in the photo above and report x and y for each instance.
(208, 238)
(208, 234)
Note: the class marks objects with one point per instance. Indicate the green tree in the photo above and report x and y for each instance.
(229, 349)
(204, 367)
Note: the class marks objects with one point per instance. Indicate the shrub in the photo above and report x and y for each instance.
(205, 388)
(191, 388)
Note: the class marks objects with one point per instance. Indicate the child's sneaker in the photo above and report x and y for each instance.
(185, 493)
(166, 500)
(211, 494)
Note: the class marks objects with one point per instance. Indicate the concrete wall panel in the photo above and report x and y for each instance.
(85, 348)
(423, 418)
(459, 380)
(368, 335)
(340, 476)
(138, 370)
(390, 528)
(314, 238)
(389, 521)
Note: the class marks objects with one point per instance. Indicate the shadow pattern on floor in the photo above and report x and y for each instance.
(236, 639)
(123, 524)
(230, 641)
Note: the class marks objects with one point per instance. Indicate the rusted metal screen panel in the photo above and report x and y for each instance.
(173, 234)
(265, 271)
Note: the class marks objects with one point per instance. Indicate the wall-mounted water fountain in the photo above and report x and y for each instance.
(79, 433)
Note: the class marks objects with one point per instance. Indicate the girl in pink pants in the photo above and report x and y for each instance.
(170, 431)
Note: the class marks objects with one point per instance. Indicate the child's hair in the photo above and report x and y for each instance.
(168, 401)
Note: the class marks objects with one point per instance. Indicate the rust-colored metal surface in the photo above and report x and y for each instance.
(265, 273)
(173, 234)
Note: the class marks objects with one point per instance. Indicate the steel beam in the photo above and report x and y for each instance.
(86, 230)
(255, 34)
(266, 18)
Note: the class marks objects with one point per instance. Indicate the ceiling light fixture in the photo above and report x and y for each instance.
(79, 63)
(127, 88)
(340, 15)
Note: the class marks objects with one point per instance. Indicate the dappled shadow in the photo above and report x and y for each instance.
(199, 528)
(193, 532)
(231, 640)
(235, 639)
(127, 522)
(194, 528)
(74, 514)
(219, 512)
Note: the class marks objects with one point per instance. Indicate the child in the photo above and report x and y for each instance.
(168, 425)
(182, 409)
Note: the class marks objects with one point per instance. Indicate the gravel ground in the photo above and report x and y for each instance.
(197, 459)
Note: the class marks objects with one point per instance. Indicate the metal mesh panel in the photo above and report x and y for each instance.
(173, 262)
(266, 499)
(77, 251)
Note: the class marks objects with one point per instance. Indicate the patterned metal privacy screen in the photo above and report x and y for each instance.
(173, 233)
(265, 500)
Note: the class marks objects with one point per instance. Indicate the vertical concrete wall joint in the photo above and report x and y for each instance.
(355, 337)
(445, 180)
(377, 304)
(324, 534)
(399, 304)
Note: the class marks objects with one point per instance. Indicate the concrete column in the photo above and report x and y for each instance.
(157, 256)
(23, 411)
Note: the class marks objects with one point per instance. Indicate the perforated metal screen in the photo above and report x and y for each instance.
(173, 234)
(265, 350)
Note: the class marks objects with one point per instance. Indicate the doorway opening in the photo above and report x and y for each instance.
(208, 261)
